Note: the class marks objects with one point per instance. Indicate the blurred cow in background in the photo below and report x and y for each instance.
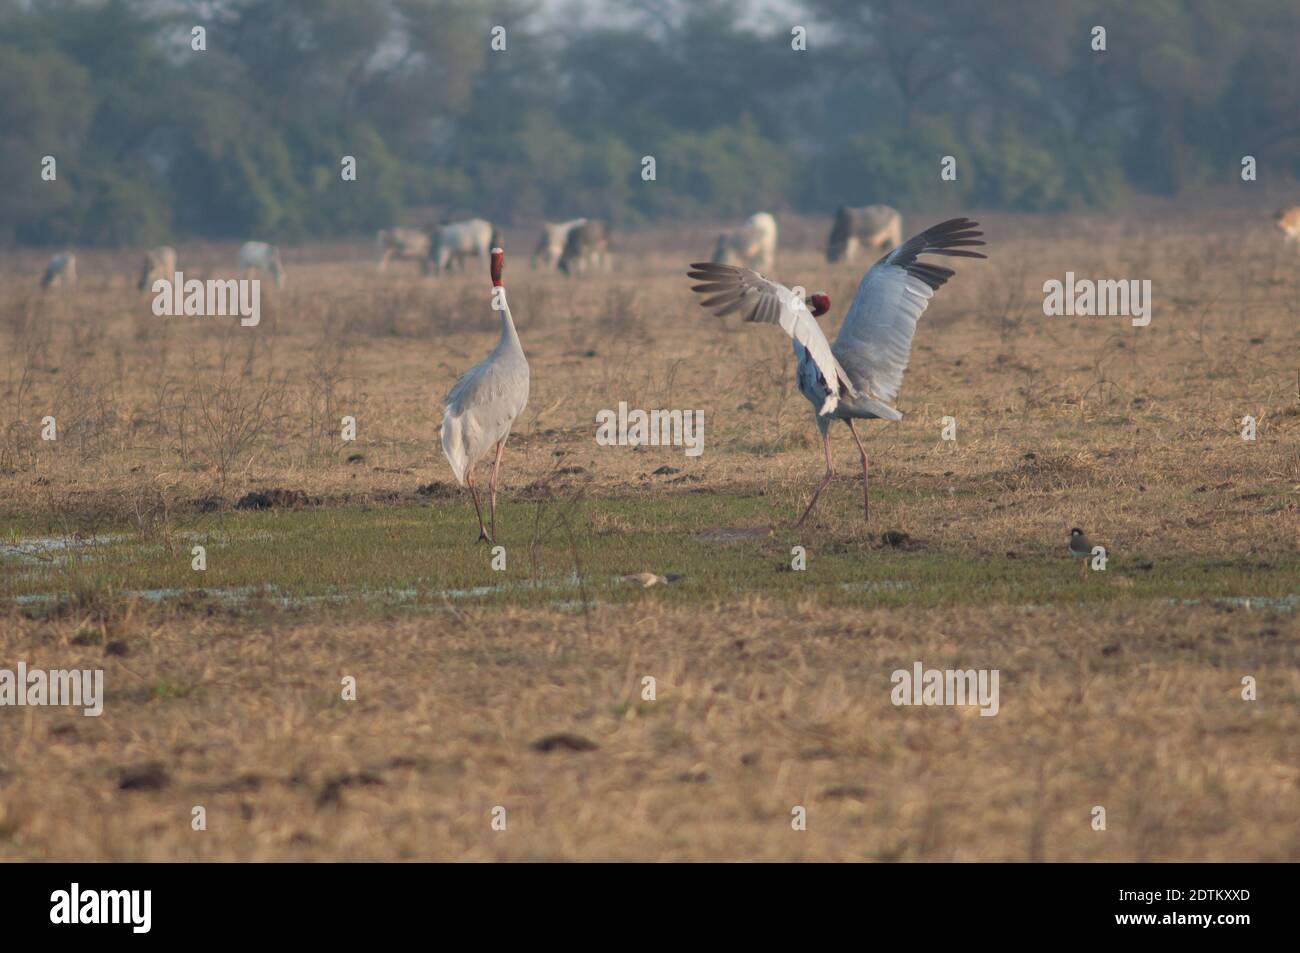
(403, 244)
(550, 247)
(62, 271)
(877, 227)
(586, 247)
(1288, 219)
(158, 263)
(753, 245)
(459, 241)
(262, 258)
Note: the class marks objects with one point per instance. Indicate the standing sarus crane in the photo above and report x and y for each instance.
(483, 404)
(859, 376)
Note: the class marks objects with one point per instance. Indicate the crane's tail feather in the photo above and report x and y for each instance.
(881, 410)
(453, 447)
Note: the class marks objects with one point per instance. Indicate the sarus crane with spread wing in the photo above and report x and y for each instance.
(859, 376)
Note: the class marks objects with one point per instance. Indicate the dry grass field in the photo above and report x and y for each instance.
(522, 688)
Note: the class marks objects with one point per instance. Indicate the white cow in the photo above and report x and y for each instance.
(878, 227)
(404, 244)
(62, 271)
(262, 258)
(158, 263)
(458, 241)
(550, 247)
(753, 245)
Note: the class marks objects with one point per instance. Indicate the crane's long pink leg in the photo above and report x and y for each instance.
(492, 485)
(478, 509)
(826, 480)
(866, 496)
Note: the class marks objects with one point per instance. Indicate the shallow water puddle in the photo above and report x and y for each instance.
(727, 534)
(877, 585)
(244, 595)
(53, 550)
(1275, 603)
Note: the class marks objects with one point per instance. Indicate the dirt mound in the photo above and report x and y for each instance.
(274, 499)
(438, 491)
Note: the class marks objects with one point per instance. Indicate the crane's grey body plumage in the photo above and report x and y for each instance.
(482, 405)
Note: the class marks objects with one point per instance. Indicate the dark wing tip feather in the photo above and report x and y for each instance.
(955, 252)
(950, 239)
(947, 238)
(936, 276)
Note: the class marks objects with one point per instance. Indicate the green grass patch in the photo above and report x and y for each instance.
(712, 547)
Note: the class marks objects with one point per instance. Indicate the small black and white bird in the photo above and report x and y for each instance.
(1081, 546)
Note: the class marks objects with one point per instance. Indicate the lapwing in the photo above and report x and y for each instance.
(1081, 546)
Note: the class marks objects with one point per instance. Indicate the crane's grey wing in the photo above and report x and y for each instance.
(494, 391)
(875, 341)
(480, 410)
(759, 298)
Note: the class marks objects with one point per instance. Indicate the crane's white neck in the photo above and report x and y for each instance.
(508, 334)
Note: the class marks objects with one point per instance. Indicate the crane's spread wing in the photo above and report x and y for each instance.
(875, 341)
(732, 289)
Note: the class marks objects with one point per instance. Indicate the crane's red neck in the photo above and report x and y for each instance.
(498, 263)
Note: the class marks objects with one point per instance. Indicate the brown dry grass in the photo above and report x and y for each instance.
(759, 708)
(1125, 425)
(762, 705)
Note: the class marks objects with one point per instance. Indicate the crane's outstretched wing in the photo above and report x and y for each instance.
(733, 289)
(875, 341)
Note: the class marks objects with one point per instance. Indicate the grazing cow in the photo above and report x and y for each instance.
(1288, 219)
(550, 247)
(263, 258)
(62, 271)
(158, 263)
(753, 245)
(586, 247)
(404, 244)
(454, 243)
(878, 227)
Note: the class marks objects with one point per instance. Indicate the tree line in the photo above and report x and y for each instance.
(743, 106)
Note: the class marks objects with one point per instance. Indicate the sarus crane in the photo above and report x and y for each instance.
(483, 405)
(859, 376)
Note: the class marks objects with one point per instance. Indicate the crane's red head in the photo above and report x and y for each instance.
(498, 263)
(819, 304)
